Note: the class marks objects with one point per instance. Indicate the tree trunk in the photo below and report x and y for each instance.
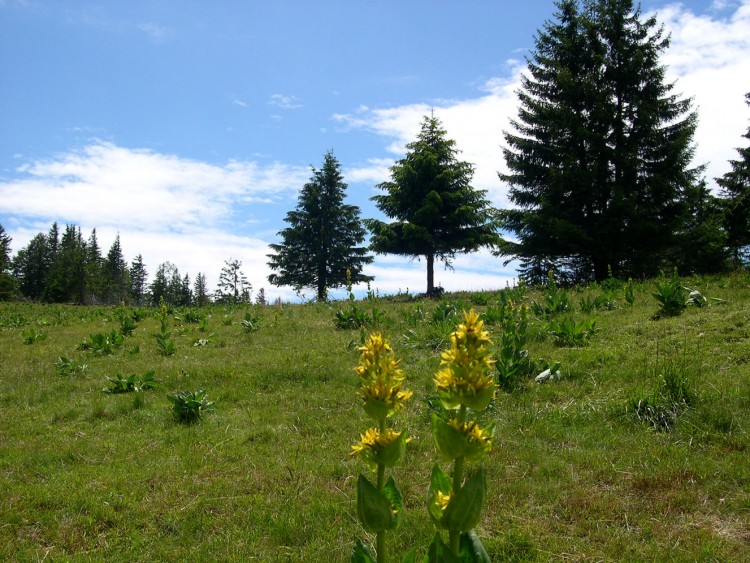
(430, 274)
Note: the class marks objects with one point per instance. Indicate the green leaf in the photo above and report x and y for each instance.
(410, 557)
(465, 508)
(361, 553)
(471, 549)
(373, 507)
(396, 499)
(450, 442)
(440, 553)
(440, 482)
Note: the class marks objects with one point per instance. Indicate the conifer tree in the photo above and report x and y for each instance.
(200, 290)
(138, 278)
(95, 283)
(7, 282)
(599, 159)
(233, 286)
(436, 210)
(67, 278)
(735, 186)
(31, 267)
(115, 271)
(321, 243)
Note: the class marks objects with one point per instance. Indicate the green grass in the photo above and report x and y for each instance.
(575, 473)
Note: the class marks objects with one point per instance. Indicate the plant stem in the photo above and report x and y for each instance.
(380, 538)
(454, 536)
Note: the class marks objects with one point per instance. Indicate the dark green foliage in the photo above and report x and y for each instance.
(103, 343)
(115, 273)
(735, 186)
(189, 406)
(437, 213)
(572, 333)
(138, 277)
(131, 383)
(671, 295)
(320, 247)
(600, 153)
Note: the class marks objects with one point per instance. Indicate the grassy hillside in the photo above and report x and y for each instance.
(637, 452)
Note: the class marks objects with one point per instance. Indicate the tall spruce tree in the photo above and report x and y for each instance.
(7, 282)
(599, 160)
(95, 283)
(436, 210)
(200, 290)
(320, 247)
(735, 190)
(116, 275)
(138, 278)
(67, 278)
(31, 268)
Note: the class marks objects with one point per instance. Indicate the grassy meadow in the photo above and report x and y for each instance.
(638, 451)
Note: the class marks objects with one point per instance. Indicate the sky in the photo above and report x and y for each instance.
(189, 127)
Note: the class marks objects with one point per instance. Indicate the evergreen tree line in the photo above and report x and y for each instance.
(66, 268)
(599, 168)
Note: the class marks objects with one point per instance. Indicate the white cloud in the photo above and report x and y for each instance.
(709, 58)
(285, 102)
(163, 206)
(155, 32)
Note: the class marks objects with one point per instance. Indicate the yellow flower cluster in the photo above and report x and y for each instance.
(465, 376)
(381, 380)
(376, 447)
(478, 440)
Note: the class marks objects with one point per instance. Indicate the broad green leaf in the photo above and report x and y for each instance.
(450, 442)
(373, 507)
(440, 482)
(472, 550)
(396, 499)
(465, 508)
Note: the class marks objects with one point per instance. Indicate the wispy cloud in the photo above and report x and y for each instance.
(285, 102)
(155, 32)
(164, 206)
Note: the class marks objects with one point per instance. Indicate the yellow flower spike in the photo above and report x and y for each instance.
(381, 380)
(466, 375)
(376, 447)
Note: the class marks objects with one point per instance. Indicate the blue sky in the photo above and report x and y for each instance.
(189, 127)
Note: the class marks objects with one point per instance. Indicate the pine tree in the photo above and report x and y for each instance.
(436, 210)
(321, 243)
(7, 282)
(200, 290)
(159, 286)
(599, 159)
(31, 268)
(94, 278)
(735, 186)
(233, 286)
(115, 272)
(138, 279)
(5, 241)
(67, 278)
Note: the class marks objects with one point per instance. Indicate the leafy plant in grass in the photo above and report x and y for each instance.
(31, 335)
(568, 332)
(465, 385)
(131, 383)
(672, 297)
(553, 300)
(103, 343)
(251, 322)
(513, 360)
(355, 317)
(127, 322)
(379, 505)
(66, 366)
(164, 343)
(629, 293)
(188, 406)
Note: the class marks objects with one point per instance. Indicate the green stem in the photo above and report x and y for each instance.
(380, 537)
(454, 536)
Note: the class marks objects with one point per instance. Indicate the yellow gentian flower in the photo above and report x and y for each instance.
(381, 380)
(376, 447)
(466, 376)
